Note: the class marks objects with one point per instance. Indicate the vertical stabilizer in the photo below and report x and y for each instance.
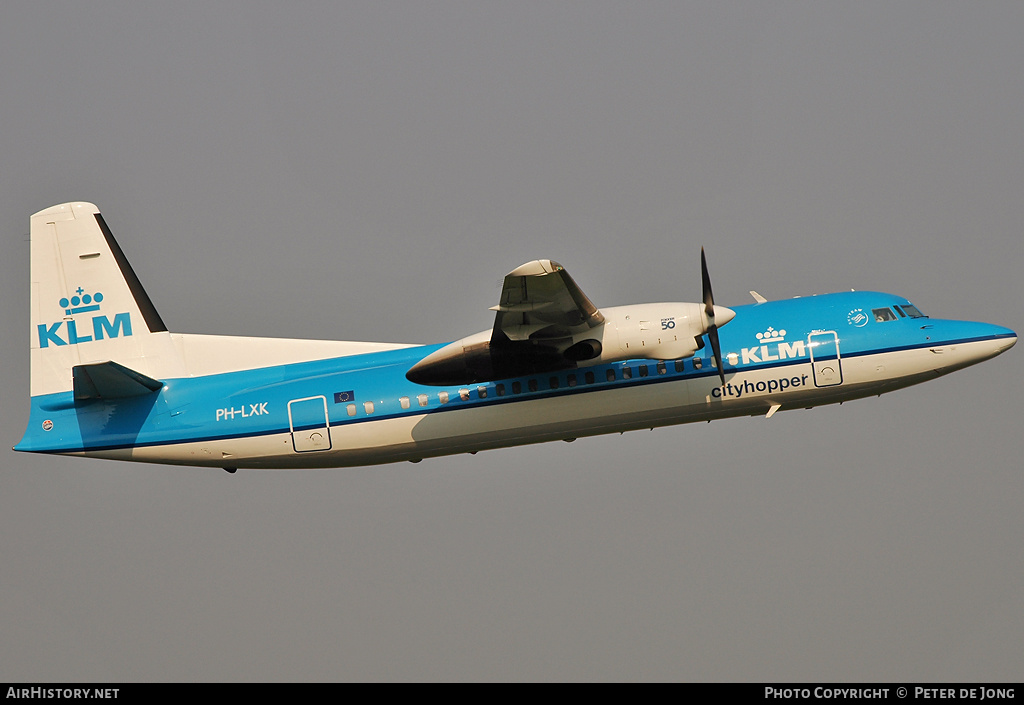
(87, 303)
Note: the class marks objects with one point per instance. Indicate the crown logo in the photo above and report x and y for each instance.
(81, 302)
(771, 335)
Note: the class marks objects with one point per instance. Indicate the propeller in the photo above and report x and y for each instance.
(709, 312)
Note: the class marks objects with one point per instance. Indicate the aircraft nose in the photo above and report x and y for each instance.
(961, 343)
(1006, 338)
(992, 340)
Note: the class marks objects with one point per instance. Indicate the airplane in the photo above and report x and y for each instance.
(108, 379)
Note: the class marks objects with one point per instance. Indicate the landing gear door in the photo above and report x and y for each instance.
(825, 359)
(307, 419)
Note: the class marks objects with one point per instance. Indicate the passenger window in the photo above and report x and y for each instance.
(443, 397)
(571, 380)
(553, 382)
(404, 401)
(697, 363)
(532, 385)
(609, 375)
(517, 387)
(422, 399)
(679, 365)
(464, 394)
(627, 372)
(499, 389)
(351, 408)
(883, 314)
(643, 370)
(588, 377)
(368, 407)
(481, 392)
(661, 368)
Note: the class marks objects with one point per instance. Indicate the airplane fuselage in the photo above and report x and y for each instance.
(360, 409)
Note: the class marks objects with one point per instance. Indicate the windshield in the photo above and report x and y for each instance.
(912, 311)
(883, 314)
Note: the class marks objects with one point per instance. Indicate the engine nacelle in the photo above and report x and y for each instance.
(465, 361)
(660, 331)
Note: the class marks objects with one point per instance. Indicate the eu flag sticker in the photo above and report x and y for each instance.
(342, 397)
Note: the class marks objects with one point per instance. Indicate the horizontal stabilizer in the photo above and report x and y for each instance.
(109, 380)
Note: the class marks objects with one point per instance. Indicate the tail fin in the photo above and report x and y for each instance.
(87, 303)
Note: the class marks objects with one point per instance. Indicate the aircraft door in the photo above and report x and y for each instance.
(825, 359)
(310, 427)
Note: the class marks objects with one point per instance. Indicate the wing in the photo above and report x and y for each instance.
(541, 303)
(540, 311)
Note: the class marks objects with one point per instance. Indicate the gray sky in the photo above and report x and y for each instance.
(370, 171)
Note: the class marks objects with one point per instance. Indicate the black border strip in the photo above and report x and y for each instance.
(149, 313)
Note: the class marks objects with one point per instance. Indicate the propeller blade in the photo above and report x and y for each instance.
(716, 348)
(709, 298)
(709, 311)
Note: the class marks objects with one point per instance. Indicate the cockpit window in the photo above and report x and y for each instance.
(883, 314)
(912, 311)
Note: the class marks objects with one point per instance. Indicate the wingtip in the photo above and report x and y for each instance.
(535, 268)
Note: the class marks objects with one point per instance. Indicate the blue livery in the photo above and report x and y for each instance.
(553, 367)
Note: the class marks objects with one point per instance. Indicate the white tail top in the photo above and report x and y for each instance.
(87, 303)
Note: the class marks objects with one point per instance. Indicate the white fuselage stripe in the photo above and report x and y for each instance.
(586, 411)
